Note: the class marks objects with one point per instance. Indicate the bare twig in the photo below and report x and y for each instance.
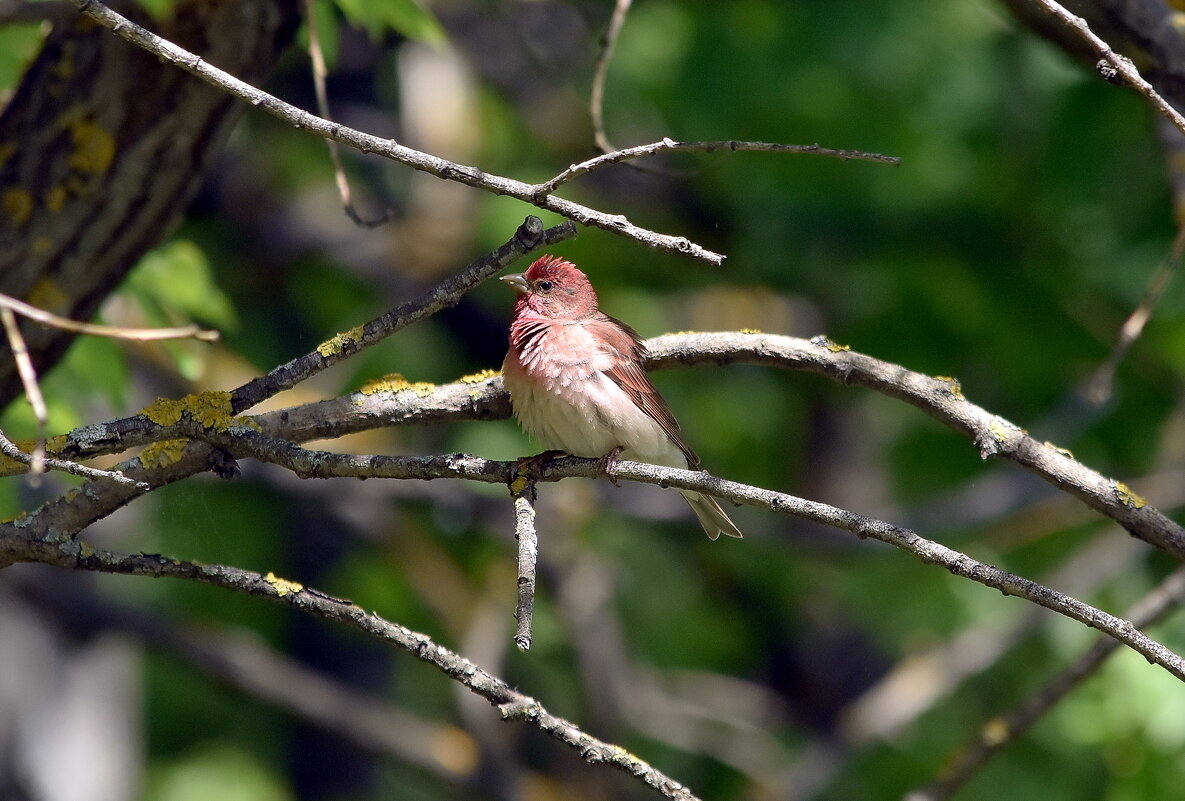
(522, 489)
(367, 143)
(596, 101)
(112, 331)
(339, 171)
(1111, 64)
(12, 451)
(511, 704)
(1099, 386)
(1003, 730)
(28, 374)
(730, 145)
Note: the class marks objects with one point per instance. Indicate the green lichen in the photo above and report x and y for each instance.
(17, 204)
(94, 147)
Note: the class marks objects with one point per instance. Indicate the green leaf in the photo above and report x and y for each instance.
(174, 285)
(406, 17)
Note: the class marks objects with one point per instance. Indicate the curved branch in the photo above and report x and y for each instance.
(483, 398)
(511, 704)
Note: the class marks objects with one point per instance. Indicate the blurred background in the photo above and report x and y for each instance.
(1031, 211)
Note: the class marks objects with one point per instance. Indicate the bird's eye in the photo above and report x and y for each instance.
(544, 286)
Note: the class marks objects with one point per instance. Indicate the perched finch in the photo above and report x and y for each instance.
(576, 381)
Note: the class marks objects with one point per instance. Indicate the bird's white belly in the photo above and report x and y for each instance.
(590, 417)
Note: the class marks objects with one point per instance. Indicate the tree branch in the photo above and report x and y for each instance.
(367, 143)
(1112, 66)
(511, 704)
(1005, 729)
(731, 145)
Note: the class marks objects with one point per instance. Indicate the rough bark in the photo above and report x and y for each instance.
(101, 148)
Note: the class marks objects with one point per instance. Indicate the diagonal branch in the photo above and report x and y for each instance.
(367, 143)
(511, 704)
(1005, 729)
(529, 236)
(1112, 66)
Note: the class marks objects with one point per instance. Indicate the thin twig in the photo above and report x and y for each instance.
(1005, 729)
(522, 489)
(1099, 386)
(112, 331)
(368, 143)
(731, 145)
(529, 236)
(13, 451)
(339, 171)
(28, 374)
(596, 101)
(1112, 64)
(511, 704)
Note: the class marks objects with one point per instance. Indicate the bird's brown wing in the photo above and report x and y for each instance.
(627, 350)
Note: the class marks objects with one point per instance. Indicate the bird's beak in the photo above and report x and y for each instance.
(517, 282)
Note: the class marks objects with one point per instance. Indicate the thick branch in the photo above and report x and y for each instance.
(484, 398)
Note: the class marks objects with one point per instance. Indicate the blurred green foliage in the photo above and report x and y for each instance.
(1030, 211)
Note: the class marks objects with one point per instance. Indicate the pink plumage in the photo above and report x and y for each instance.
(576, 381)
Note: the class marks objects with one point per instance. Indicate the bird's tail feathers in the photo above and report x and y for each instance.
(711, 516)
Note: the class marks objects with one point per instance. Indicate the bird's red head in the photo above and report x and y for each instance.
(553, 288)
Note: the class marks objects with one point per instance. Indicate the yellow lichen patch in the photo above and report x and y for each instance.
(86, 550)
(163, 454)
(210, 409)
(17, 205)
(56, 197)
(164, 411)
(282, 586)
(41, 245)
(999, 429)
(6, 151)
(995, 732)
(334, 346)
(394, 382)
(94, 148)
(10, 466)
(477, 378)
(953, 387)
(824, 341)
(1127, 497)
(1063, 451)
(47, 294)
(751, 331)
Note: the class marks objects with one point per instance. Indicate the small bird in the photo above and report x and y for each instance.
(576, 381)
